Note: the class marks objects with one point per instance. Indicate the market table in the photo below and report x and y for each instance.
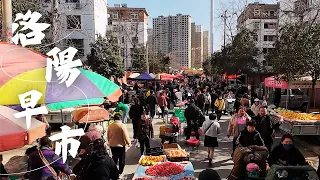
(189, 171)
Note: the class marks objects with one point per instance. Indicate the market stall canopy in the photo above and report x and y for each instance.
(166, 77)
(152, 75)
(143, 77)
(134, 75)
(13, 131)
(88, 88)
(90, 114)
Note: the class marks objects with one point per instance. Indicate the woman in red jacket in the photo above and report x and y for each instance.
(162, 102)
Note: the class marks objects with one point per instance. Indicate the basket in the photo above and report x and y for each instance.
(253, 174)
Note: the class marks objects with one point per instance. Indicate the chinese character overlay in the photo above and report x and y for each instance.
(64, 136)
(64, 65)
(28, 21)
(28, 101)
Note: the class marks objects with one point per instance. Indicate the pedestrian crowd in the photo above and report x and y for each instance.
(206, 101)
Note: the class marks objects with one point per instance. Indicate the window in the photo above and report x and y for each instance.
(269, 38)
(134, 16)
(272, 13)
(73, 22)
(265, 51)
(135, 40)
(255, 37)
(72, 1)
(115, 15)
(133, 27)
(76, 43)
(122, 39)
(115, 28)
(269, 25)
(256, 25)
(122, 52)
(256, 12)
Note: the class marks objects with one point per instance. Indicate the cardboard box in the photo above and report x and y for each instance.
(171, 146)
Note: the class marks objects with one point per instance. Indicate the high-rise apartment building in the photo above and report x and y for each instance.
(196, 45)
(78, 24)
(263, 20)
(206, 45)
(129, 25)
(172, 36)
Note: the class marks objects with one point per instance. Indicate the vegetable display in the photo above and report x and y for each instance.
(176, 153)
(292, 115)
(165, 169)
(151, 160)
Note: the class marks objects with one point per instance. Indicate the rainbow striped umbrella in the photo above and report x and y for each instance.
(88, 88)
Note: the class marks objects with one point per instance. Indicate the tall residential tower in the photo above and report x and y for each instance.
(172, 36)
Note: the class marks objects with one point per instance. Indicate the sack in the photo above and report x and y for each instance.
(159, 110)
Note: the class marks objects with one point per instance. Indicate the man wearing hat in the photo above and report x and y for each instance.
(256, 106)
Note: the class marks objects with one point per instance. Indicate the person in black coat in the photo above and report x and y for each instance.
(2, 169)
(265, 127)
(249, 136)
(194, 117)
(135, 112)
(286, 154)
(152, 102)
(98, 165)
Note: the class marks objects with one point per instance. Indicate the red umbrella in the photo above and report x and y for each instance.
(179, 76)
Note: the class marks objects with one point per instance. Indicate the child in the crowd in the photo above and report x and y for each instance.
(145, 132)
(3, 170)
(211, 129)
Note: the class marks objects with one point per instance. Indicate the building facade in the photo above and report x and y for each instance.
(172, 36)
(206, 45)
(292, 11)
(263, 20)
(196, 45)
(78, 23)
(130, 26)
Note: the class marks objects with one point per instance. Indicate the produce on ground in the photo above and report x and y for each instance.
(292, 115)
(176, 153)
(151, 160)
(165, 169)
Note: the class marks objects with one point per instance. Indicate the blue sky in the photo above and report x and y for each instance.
(198, 9)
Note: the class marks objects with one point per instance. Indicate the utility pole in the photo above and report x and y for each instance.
(7, 20)
(224, 16)
(211, 25)
(147, 58)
